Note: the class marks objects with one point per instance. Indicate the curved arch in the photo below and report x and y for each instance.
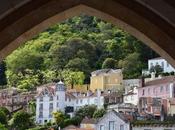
(40, 16)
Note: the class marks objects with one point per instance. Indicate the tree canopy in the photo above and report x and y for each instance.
(82, 44)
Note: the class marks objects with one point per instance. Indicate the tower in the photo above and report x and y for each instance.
(60, 96)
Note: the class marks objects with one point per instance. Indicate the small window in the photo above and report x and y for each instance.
(161, 89)
(162, 64)
(121, 127)
(167, 64)
(57, 104)
(41, 99)
(57, 97)
(111, 125)
(51, 98)
(167, 88)
(102, 127)
(143, 92)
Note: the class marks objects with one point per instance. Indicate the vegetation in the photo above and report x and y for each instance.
(81, 44)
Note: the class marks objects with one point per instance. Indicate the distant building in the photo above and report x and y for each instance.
(106, 79)
(126, 108)
(162, 62)
(129, 84)
(154, 127)
(163, 87)
(54, 97)
(131, 96)
(113, 121)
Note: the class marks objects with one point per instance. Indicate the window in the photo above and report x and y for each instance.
(167, 88)
(111, 125)
(161, 88)
(102, 127)
(95, 101)
(148, 90)
(57, 97)
(51, 98)
(77, 101)
(57, 104)
(121, 127)
(81, 101)
(51, 106)
(41, 99)
(40, 106)
(162, 64)
(143, 92)
(40, 114)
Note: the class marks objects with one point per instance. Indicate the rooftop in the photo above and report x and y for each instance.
(105, 71)
(162, 80)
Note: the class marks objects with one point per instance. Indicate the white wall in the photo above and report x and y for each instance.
(162, 62)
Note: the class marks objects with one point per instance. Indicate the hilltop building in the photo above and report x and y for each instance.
(106, 79)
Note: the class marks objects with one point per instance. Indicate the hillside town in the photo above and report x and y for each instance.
(126, 101)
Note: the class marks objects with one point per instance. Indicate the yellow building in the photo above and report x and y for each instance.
(106, 79)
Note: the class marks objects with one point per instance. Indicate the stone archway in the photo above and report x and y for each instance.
(151, 22)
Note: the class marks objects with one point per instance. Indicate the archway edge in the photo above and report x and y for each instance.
(76, 10)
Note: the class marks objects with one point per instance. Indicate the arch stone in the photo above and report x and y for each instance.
(151, 21)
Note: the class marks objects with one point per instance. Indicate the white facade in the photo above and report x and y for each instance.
(131, 96)
(112, 121)
(56, 98)
(162, 62)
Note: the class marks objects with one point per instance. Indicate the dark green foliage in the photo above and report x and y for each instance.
(99, 113)
(21, 120)
(3, 117)
(86, 111)
(157, 69)
(109, 63)
(3, 78)
(82, 43)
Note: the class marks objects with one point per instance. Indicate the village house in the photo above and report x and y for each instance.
(54, 97)
(162, 88)
(113, 120)
(131, 96)
(106, 79)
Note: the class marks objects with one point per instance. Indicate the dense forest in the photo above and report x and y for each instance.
(71, 50)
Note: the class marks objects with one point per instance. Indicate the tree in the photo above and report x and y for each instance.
(21, 120)
(3, 118)
(109, 63)
(32, 106)
(99, 113)
(86, 111)
(157, 69)
(73, 78)
(58, 117)
(131, 66)
(5, 110)
(2, 127)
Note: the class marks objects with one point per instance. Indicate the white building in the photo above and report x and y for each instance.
(132, 96)
(162, 62)
(56, 98)
(113, 121)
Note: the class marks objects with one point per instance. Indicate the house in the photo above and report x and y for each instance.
(153, 106)
(131, 96)
(113, 120)
(161, 62)
(162, 87)
(54, 97)
(106, 79)
(129, 84)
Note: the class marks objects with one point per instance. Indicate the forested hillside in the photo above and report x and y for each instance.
(71, 50)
